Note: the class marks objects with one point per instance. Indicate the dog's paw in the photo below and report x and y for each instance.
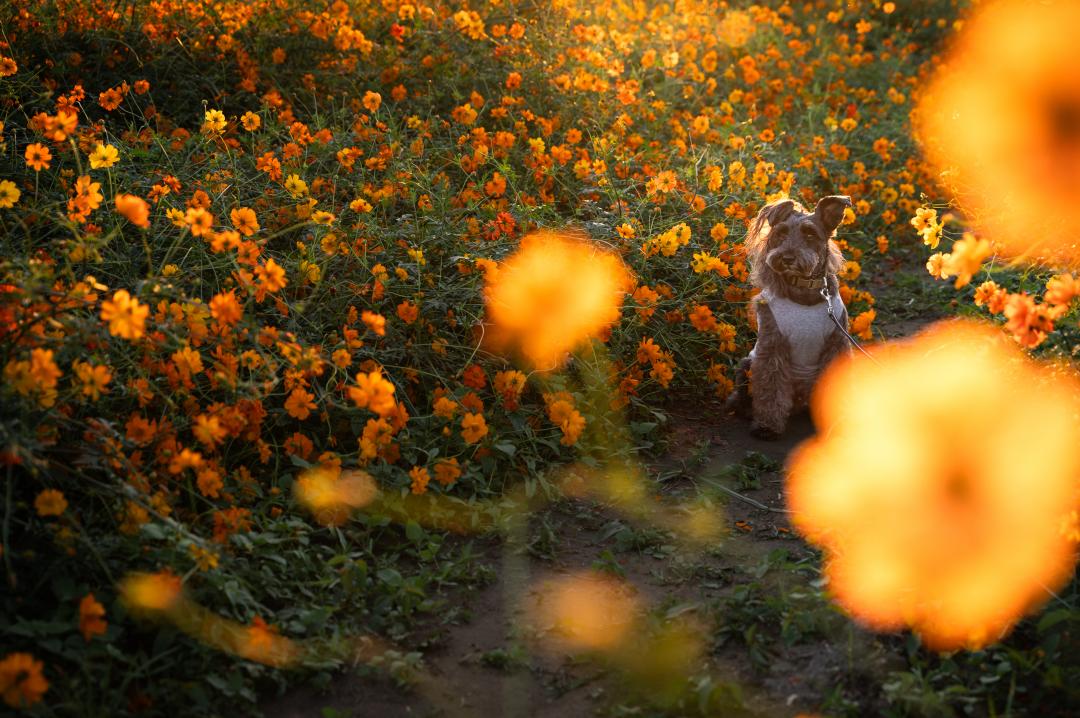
(764, 433)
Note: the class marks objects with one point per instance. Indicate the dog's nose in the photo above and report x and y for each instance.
(787, 259)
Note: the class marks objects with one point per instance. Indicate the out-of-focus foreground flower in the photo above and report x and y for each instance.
(585, 611)
(332, 495)
(1001, 124)
(160, 596)
(939, 482)
(555, 292)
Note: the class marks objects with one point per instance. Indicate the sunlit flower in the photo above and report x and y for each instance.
(936, 483)
(214, 122)
(134, 209)
(104, 156)
(554, 293)
(965, 259)
(38, 157)
(125, 315)
(1001, 123)
(373, 392)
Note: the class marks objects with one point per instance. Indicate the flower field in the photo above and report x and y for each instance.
(316, 318)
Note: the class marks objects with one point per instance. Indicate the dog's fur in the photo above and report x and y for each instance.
(786, 243)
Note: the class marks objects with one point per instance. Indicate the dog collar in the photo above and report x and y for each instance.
(805, 282)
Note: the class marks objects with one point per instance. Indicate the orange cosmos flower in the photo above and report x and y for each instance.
(332, 495)
(152, 592)
(134, 209)
(938, 481)
(473, 427)
(91, 617)
(271, 279)
(50, 502)
(21, 681)
(245, 221)
(558, 290)
(300, 403)
(38, 157)
(198, 221)
(373, 392)
(125, 315)
(226, 309)
(1001, 123)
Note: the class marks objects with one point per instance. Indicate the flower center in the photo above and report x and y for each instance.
(1064, 116)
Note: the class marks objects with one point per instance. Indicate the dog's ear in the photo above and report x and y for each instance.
(835, 258)
(830, 210)
(770, 215)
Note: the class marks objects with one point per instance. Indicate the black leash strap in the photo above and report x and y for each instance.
(843, 329)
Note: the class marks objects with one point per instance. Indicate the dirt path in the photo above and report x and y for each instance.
(482, 666)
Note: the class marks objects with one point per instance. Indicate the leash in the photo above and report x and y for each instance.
(832, 315)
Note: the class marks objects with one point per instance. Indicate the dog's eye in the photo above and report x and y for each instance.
(809, 233)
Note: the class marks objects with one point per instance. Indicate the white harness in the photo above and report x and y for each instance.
(806, 327)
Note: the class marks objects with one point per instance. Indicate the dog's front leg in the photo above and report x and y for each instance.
(772, 391)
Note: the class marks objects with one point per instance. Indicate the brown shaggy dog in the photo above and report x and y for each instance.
(792, 257)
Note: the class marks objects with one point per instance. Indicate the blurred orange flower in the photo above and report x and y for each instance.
(21, 681)
(937, 482)
(1001, 124)
(586, 610)
(331, 495)
(125, 314)
(91, 617)
(151, 592)
(555, 292)
(134, 209)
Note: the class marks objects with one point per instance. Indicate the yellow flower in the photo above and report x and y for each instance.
(9, 194)
(214, 122)
(295, 186)
(104, 156)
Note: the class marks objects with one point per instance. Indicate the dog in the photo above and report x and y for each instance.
(792, 257)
